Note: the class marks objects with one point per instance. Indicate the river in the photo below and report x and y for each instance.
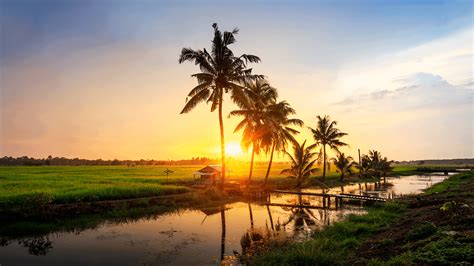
(197, 236)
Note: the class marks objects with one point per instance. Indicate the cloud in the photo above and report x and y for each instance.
(415, 92)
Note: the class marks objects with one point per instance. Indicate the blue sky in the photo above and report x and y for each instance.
(89, 66)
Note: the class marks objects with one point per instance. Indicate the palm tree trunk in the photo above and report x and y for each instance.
(342, 176)
(221, 126)
(271, 219)
(269, 164)
(223, 233)
(251, 162)
(324, 162)
(251, 216)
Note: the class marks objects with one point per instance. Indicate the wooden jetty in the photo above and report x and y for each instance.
(326, 198)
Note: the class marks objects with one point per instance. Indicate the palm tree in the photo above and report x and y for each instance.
(365, 165)
(302, 162)
(326, 134)
(343, 164)
(385, 167)
(221, 72)
(280, 130)
(260, 96)
(375, 165)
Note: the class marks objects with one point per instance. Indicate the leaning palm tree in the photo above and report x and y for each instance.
(260, 96)
(326, 134)
(302, 163)
(280, 131)
(343, 164)
(221, 72)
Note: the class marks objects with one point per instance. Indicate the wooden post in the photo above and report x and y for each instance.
(360, 175)
(329, 202)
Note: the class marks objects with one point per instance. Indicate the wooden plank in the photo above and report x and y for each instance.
(296, 206)
(301, 193)
(360, 197)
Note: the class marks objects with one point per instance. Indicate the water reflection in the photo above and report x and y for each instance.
(194, 236)
(38, 246)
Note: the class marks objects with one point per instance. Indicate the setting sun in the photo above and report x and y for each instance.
(233, 149)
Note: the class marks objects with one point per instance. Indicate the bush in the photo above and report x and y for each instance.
(423, 231)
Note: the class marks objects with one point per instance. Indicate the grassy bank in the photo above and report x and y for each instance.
(404, 170)
(414, 230)
(56, 221)
(22, 186)
(27, 186)
(30, 186)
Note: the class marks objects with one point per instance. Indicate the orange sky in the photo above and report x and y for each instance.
(92, 95)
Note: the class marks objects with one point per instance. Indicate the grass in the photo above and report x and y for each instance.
(404, 170)
(25, 185)
(428, 244)
(22, 186)
(334, 243)
(453, 182)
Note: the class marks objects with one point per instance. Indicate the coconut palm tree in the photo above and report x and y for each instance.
(326, 134)
(302, 163)
(221, 72)
(385, 167)
(280, 130)
(365, 165)
(260, 96)
(343, 164)
(375, 165)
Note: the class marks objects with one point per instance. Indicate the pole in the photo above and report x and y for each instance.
(360, 166)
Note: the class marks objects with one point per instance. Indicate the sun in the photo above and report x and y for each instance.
(233, 149)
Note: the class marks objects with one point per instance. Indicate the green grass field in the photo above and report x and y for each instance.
(21, 185)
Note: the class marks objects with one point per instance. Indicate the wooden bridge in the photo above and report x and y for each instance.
(326, 198)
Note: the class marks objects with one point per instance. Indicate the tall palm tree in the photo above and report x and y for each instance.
(260, 96)
(302, 163)
(280, 131)
(343, 164)
(221, 72)
(326, 134)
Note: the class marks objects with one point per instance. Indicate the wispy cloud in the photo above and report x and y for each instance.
(418, 91)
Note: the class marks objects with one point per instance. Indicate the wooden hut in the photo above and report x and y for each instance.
(208, 174)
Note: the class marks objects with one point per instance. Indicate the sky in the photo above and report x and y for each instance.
(101, 79)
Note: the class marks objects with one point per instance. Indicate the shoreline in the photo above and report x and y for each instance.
(343, 242)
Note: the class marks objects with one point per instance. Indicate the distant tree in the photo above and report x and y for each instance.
(48, 160)
(168, 172)
(302, 163)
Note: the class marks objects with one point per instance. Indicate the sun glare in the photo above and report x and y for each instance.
(233, 149)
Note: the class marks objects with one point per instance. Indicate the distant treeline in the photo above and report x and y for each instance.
(465, 161)
(29, 161)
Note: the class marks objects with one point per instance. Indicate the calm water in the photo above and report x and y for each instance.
(191, 237)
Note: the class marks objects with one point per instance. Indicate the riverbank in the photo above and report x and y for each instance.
(428, 229)
(75, 188)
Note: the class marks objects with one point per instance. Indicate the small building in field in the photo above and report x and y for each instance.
(209, 174)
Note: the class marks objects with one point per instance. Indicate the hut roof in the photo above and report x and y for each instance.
(210, 169)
